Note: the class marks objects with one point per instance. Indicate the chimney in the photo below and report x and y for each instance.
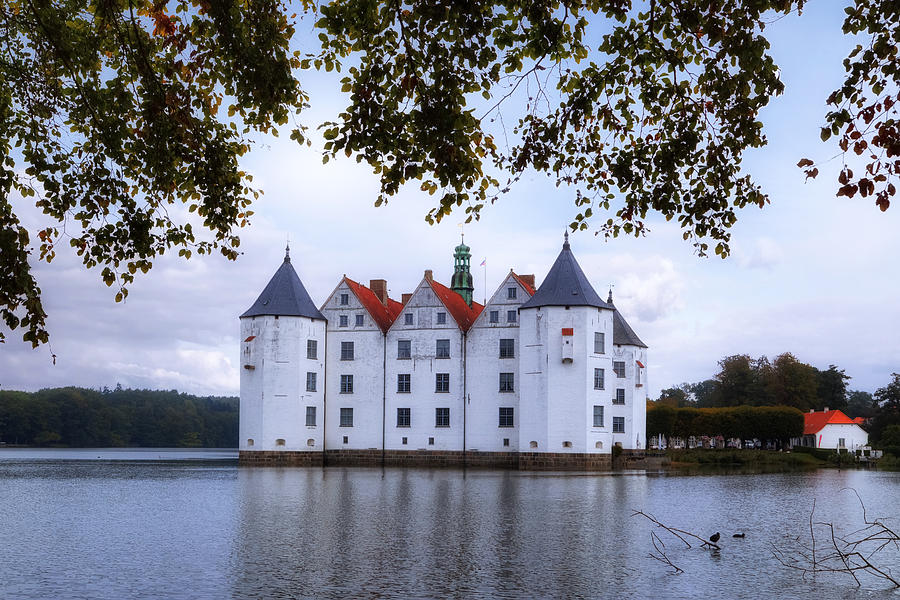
(379, 288)
(406, 298)
(826, 409)
(529, 279)
(428, 275)
(812, 410)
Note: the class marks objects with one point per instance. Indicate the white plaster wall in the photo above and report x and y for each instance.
(422, 367)
(367, 368)
(273, 393)
(483, 368)
(854, 436)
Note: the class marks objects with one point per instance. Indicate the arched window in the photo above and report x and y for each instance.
(533, 444)
(279, 442)
(249, 442)
(310, 442)
(567, 444)
(598, 445)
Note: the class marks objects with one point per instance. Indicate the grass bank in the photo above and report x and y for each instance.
(741, 458)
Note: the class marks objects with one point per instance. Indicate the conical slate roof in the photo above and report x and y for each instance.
(284, 295)
(623, 334)
(565, 285)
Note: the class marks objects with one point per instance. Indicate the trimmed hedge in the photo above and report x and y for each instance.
(742, 422)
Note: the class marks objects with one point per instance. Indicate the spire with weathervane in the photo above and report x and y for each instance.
(461, 282)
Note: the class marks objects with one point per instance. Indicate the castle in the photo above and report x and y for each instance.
(538, 378)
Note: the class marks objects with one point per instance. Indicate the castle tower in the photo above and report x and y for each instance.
(461, 282)
(282, 373)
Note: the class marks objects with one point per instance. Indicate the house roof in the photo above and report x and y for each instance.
(383, 315)
(565, 285)
(814, 422)
(456, 306)
(525, 286)
(284, 295)
(623, 334)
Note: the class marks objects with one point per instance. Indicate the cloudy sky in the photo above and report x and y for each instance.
(810, 274)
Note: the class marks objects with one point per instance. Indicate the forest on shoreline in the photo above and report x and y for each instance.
(86, 418)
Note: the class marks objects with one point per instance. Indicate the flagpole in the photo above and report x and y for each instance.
(484, 264)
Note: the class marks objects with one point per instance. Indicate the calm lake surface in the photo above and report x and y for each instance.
(191, 524)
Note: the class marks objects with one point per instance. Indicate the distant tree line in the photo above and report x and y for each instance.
(766, 423)
(785, 381)
(78, 417)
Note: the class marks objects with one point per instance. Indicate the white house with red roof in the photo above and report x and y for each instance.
(547, 376)
(831, 429)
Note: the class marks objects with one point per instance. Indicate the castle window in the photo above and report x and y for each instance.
(442, 349)
(310, 382)
(532, 444)
(342, 321)
(567, 444)
(345, 299)
(279, 442)
(495, 316)
(346, 419)
(507, 382)
(599, 343)
(310, 442)
(359, 320)
(403, 417)
(250, 442)
(407, 319)
(442, 382)
(619, 368)
(618, 424)
(510, 316)
(511, 293)
(312, 349)
(506, 417)
(441, 318)
(507, 348)
(442, 417)
(599, 377)
(403, 383)
(598, 416)
(506, 442)
(431, 441)
(346, 439)
(404, 348)
(620, 396)
(310, 416)
(598, 445)
(346, 350)
(403, 441)
(346, 384)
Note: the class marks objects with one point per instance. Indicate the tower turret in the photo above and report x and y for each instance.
(461, 282)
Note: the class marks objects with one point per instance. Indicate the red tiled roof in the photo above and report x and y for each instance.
(461, 312)
(527, 287)
(383, 315)
(860, 420)
(814, 422)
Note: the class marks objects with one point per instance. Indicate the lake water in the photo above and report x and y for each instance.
(191, 524)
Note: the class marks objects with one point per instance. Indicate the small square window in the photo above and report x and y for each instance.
(620, 396)
(598, 416)
(506, 442)
(404, 348)
(342, 321)
(442, 382)
(346, 350)
(442, 417)
(345, 299)
(346, 384)
(507, 348)
(506, 417)
(599, 377)
(495, 316)
(599, 343)
(403, 384)
(312, 349)
(310, 382)
(507, 382)
(346, 418)
(359, 320)
(408, 319)
(403, 417)
(431, 441)
(403, 441)
(442, 349)
(619, 368)
(511, 293)
(618, 424)
(310, 416)
(510, 316)
(441, 318)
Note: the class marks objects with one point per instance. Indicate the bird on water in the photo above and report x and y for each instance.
(739, 535)
(714, 537)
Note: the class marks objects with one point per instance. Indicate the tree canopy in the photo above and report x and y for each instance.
(125, 120)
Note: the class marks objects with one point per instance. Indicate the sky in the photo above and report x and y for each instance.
(809, 274)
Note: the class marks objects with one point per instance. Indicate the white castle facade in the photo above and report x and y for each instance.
(551, 377)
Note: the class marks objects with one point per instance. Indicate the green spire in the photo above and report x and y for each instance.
(461, 283)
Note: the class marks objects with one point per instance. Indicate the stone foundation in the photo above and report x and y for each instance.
(279, 458)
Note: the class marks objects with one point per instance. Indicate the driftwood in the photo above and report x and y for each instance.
(659, 547)
(854, 553)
